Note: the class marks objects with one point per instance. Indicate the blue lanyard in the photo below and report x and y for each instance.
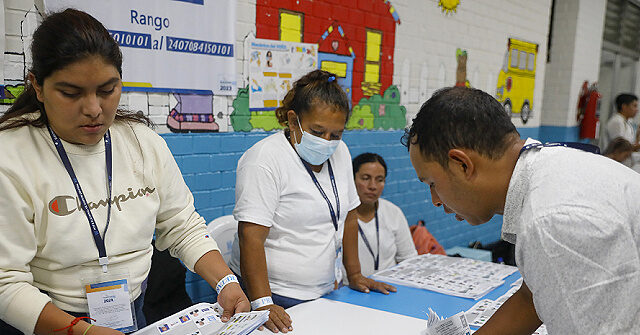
(334, 218)
(575, 145)
(376, 258)
(102, 251)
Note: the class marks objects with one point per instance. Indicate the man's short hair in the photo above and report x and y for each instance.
(461, 117)
(623, 99)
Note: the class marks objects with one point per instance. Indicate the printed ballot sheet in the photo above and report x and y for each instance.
(462, 277)
(204, 319)
(454, 325)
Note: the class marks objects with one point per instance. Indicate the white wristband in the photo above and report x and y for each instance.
(261, 302)
(224, 281)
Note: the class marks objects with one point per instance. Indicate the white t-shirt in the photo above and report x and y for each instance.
(274, 189)
(618, 126)
(575, 220)
(396, 243)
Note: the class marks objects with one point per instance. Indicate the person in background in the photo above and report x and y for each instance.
(296, 205)
(83, 188)
(620, 125)
(619, 149)
(384, 237)
(572, 214)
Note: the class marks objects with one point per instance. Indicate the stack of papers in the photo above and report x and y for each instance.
(204, 319)
(480, 313)
(462, 277)
(455, 325)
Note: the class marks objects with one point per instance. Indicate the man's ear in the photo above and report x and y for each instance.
(36, 86)
(461, 163)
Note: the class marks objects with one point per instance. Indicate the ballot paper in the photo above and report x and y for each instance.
(480, 313)
(455, 325)
(462, 277)
(204, 319)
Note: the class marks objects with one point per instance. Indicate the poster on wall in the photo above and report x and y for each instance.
(182, 46)
(273, 68)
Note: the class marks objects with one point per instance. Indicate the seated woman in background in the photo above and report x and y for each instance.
(384, 237)
(619, 149)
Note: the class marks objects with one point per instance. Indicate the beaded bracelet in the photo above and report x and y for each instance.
(224, 281)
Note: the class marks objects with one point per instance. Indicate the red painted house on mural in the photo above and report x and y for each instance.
(356, 38)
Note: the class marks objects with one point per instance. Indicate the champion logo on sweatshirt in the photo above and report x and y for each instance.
(64, 205)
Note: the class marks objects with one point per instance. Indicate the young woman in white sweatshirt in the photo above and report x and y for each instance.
(84, 187)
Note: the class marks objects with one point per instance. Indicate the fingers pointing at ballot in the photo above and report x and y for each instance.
(360, 283)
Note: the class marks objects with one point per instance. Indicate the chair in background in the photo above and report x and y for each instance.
(223, 230)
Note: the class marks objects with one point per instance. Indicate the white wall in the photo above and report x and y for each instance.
(426, 42)
(482, 27)
(576, 44)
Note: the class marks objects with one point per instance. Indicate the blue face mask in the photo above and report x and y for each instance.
(313, 149)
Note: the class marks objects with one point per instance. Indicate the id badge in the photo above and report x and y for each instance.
(110, 302)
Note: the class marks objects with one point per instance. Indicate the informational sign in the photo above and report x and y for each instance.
(169, 45)
(273, 68)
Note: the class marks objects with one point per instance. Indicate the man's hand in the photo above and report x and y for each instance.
(360, 283)
(232, 300)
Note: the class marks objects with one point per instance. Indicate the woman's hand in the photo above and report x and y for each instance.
(361, 283)
(279, 320)
(232, 300)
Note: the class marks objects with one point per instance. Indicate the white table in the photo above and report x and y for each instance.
(324, 316)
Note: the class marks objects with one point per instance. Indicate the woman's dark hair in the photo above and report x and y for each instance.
(618, 145)
(368, 157)
(62, 39)
(314, 88)
(461, 117)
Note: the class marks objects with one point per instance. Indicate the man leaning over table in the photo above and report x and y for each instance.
(573, 215)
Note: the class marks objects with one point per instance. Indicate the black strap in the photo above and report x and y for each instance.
(376, 257)
(99, 240)
(334, 217)
(575, 145)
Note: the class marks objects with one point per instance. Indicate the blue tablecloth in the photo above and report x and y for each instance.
(415, 302)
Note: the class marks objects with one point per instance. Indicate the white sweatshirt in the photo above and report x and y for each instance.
(45, 239)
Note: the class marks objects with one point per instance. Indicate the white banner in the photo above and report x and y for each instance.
(184, 46)
(273, 67)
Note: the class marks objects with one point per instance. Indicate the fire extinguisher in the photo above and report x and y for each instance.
(590, 122)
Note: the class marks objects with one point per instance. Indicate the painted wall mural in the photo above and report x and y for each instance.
(449, 6)
(355, 42)
(192, 112)
(516, 79)
(461, 69)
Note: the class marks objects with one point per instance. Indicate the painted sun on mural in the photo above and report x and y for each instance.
(449, 6)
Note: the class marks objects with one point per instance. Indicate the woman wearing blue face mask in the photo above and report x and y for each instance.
(295, 204)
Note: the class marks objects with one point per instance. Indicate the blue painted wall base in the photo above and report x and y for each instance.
(208, 163)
